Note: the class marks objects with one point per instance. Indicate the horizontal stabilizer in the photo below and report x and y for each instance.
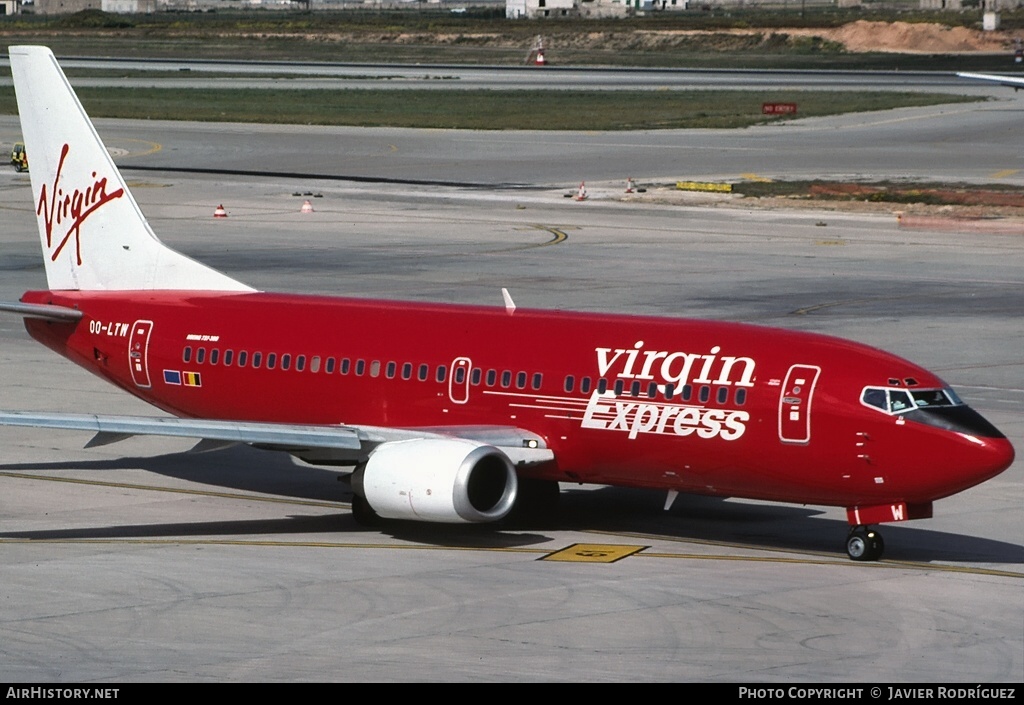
(43, 311)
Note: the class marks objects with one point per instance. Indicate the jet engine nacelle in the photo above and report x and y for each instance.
(444, 480)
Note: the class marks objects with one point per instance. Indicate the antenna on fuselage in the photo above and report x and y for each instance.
(510, 305)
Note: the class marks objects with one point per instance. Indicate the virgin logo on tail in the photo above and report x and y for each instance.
(69, 209)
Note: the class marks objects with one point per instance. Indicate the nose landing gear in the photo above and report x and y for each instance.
(864, 544)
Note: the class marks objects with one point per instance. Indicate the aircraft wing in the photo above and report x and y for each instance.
(1015, 82)
(316, 444)
(522, 447)
(110, 429)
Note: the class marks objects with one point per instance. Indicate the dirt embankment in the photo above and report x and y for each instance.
(865, 36)
(956, 205)
(856, 37)
(859, 36)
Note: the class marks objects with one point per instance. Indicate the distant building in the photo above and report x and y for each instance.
(622, 8)
(534, 9)
(549, 8)
(605, 8)
(10, 7)
(137, 7)
(64, 7)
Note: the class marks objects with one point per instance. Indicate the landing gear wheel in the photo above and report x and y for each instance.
(864, 544)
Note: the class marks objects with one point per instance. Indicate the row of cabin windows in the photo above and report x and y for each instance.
(358, 367)
(651, 389)
(476, 376)
(493, 377)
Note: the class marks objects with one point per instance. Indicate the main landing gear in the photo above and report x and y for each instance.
(363, 513)
(536, 503)
(864, 544)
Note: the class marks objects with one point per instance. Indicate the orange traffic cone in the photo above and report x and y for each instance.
(630, 186)
(581, 195)
(219, 212)
(539, 61)
(307, 207)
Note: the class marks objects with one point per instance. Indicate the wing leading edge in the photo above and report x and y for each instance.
(1015, 82)
(316, 444)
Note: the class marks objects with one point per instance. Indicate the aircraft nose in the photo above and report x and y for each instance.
(996, 456)
(978, 450)
(972, 453)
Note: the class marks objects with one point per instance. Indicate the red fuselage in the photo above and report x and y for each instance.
(694, 406)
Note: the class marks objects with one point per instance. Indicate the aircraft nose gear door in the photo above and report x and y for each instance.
(138, 353)
(458, 382)
(795, 404)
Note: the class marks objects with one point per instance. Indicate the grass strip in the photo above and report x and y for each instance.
(482, 109)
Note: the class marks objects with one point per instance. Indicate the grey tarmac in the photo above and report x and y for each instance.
(142, 562)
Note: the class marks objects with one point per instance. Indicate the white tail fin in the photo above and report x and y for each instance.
(93, 234)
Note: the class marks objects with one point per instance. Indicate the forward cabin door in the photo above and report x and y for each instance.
(138, 353)
(795, 404)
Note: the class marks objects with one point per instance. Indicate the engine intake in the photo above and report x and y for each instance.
(445, 480)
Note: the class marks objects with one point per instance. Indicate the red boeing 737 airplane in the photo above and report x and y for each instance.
(437, 409)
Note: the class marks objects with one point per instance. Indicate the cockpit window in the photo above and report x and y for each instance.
(929, 398)
(898, 401)
(939, 408)
(877, 398)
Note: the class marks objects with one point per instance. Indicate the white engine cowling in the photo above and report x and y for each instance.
(445, 480)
